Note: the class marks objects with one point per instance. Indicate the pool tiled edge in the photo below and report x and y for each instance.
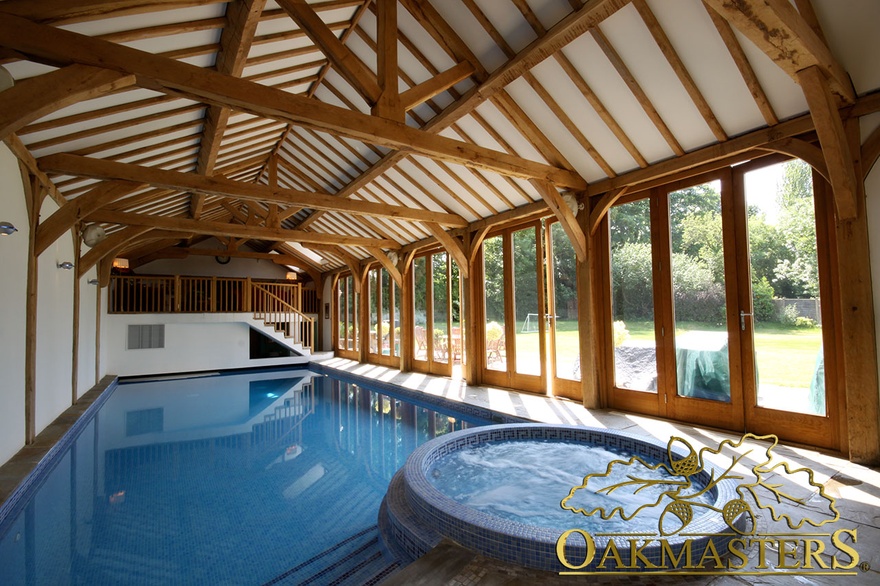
(435, 402)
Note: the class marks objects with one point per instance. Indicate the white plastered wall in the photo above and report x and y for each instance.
(193, 343)
(54, 326)
(54, 365)
(13, 287)
(86, 378)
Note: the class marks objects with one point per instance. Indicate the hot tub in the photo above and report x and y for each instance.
(416, 513)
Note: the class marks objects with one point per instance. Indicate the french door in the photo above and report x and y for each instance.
(383, 297)
(438, 339)
(714, 293)
(529, 311)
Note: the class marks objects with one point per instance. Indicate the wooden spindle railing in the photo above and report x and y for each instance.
(183, 294)
(277, 312)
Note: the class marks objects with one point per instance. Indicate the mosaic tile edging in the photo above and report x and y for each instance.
(10, 509)
(522, 544)
(421, 397)
(402, 531)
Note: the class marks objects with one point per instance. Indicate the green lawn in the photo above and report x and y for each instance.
(786, 355)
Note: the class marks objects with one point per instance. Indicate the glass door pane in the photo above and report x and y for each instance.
(440, 281)
(564, 308)
(527, 305)
(420, 294)
(385, 312)
(786, 320)
(495, 293)
(373, 295)
(395, 322)
(351, 314)
(456, 337)
(632, 297)
(699, 296)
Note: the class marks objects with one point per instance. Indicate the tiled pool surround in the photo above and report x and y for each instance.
(428, 513)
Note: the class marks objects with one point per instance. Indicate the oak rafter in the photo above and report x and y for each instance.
(220, 186)
(211, 228)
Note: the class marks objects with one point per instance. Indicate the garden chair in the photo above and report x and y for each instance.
(495, 351)
(421, 341)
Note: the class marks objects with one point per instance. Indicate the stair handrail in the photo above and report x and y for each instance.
(288, 310)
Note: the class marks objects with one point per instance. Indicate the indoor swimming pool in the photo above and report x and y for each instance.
(259, 477)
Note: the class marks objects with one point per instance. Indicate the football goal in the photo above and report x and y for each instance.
(531, 323)
(530, 326)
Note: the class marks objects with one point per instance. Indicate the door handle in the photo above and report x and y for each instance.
(742, 319)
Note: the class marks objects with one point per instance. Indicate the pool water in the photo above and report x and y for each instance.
(255, 478)
(525, 481)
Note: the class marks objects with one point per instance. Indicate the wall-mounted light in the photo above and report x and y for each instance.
(7, 228)
(93, 281)
(571, 201)
(93, 234)
(120, 263)
(292, 276)
(66, 265)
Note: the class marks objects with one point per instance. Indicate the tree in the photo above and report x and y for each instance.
(701, 238)
(797, 270)
(493, 281)
(564, 270)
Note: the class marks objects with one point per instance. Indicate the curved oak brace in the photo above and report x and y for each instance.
(566, 218)
(810, 154)
(453, 246)
(38, 96)
(870, 152)
(388, 264)
(603, 205)
(832, 137)
(477, 241)
(358, 270)
(407, 261)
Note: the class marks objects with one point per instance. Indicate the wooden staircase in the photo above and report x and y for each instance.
(277, 313)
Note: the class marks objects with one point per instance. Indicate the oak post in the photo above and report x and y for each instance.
(363, 335)
(407, 317)
(32, 193)
(857, 327)
(586, 318)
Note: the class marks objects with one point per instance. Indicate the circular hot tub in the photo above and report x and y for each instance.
(421, 508)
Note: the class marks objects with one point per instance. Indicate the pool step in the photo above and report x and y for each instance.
(358, 560)
(407, 536)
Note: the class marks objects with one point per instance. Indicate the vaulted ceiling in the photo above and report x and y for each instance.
(336, 130)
